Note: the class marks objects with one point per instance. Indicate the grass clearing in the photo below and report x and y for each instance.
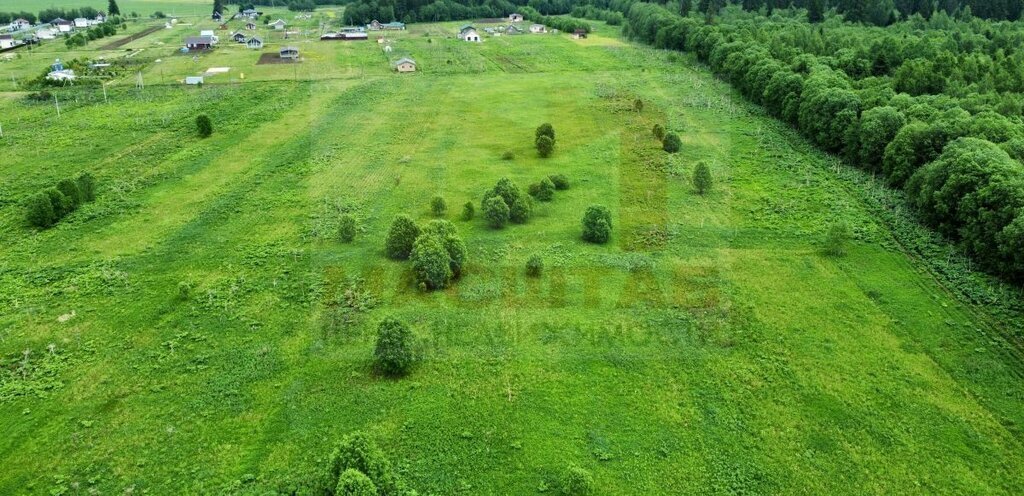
(709, 347)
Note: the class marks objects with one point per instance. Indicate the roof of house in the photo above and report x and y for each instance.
(395, 23)
(198, 40)
(289, 49)
(279, 21)
(6, 37)
(21, 20)
(466, 27)
(580, 31)
(257, 39)
(536, 26)
(405, 60)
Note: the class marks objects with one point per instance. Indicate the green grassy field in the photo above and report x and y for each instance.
(709, 348)
(142, 7)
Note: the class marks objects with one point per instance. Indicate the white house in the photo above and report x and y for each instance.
(278, 24)
(210, 34)
(255, 43)
(19, 24)
(405, 64)
(7, 41)
(289, 52)
(239, 37)
(468, 33)
(81, 23)
(515, 18)
(62, 25)
(538, 29)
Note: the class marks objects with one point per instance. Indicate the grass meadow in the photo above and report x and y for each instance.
(708, 348)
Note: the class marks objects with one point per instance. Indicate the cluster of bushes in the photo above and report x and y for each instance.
(505, 203)
(360, 468)
(544, 190)
(49, 206)
(437, 252)
(107, 28)
(565, 24)
(902, 136)
(611, 17)
(597, 224)
(670, 141)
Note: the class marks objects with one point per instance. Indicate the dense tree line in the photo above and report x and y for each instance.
(931, 105)
(884, 12)
(364, 11)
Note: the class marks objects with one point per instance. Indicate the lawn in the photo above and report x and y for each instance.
(710, 347)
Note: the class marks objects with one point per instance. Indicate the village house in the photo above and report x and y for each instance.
(468, 33)
(515, 18)
(250, 26)
(81, 23)
(19, 24)
(289, 52)
(210, 34)
(376, 25)
(255, 43)
(538, 29)
(194, 80)
(405, 64)
(239, 37)
(513, 29)
(63, 26)
(7, 41)
(278, 24)
(199, 43)
(250, 13)
(101, 16)
(579, 34)
(217, 16)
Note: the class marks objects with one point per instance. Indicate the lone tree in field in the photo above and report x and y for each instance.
(39, 211)
(597, 224)
(671, 143)
(400, 238)
(438, 206)
(544, 139)
(836, 239)
(702, 178)
(496, 212)
(545, 146)
(453, 244)
(394, 349)
(355, 483)
(347, 228)
(468, 211)
(204, 126)
(112, 8)
(659, 132)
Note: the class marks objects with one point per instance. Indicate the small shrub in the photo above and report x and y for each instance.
(69, 188)
(468, 211)
(545, 130)
(355, 483)
(543, 190)
(185, 290)
(638, 105)
(508, 155)
(560, 181)
(452, 243)
(347, 228)
(534, 265)
(438, 206)
(659, 132)
(204, 126)
(597, 224)
(520, 210)
(702, 178)
(430, 262)
(393, 353)
(496, 212)
(577, 482)
(358, 452)
(836, 239)
(545, 146)
(87, 186)
(61, 204)
(671, 143)
(401, 236)
(39, 211)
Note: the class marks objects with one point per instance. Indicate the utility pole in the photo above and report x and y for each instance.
(104, 86)
(1, 130)
(57, 104)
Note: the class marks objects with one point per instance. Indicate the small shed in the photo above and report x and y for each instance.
(289, 52)
(538, 29)
(7, 41)
(196, 80)
(515, 17)
(468, 33)
(579, 34)
(250, 26)
(255, 43)
(405, 64)
(278, 24)
(513, 29)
